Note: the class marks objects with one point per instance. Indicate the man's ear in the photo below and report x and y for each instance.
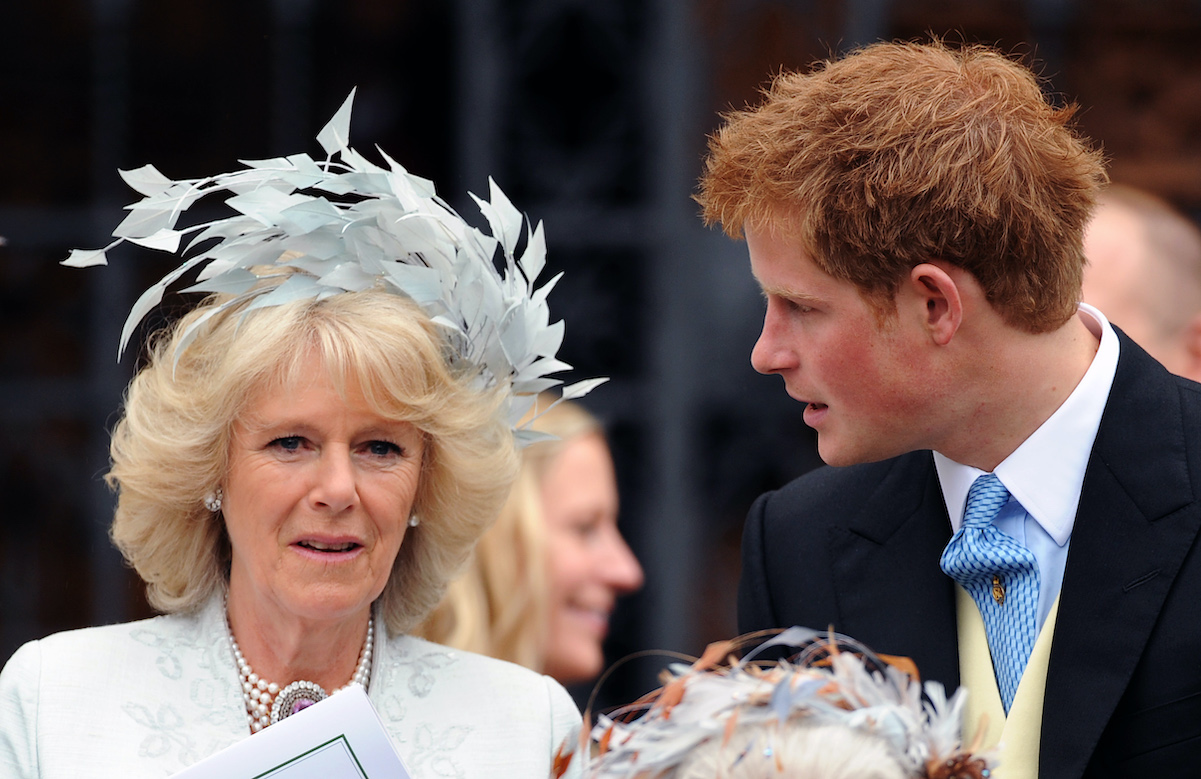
(941, 300)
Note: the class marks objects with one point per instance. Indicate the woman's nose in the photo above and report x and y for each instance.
(334, 487)
(621, 568)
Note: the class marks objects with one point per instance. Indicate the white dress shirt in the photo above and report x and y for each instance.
(1044, 475)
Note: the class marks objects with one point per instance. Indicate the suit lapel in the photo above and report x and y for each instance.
(891, 593)
(1128, 542)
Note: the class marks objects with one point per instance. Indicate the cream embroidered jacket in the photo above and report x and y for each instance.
(149, 698)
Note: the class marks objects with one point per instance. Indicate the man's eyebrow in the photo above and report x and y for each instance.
(791, 294)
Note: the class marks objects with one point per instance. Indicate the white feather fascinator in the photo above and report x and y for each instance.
(742, 709)
(345, 224)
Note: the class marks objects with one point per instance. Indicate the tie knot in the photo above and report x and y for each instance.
(985, 498)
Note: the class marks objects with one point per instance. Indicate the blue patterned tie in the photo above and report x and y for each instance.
(1002, 577)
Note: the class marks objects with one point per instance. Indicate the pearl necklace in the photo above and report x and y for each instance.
(267, 704)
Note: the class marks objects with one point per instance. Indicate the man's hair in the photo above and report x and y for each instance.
(903, 153)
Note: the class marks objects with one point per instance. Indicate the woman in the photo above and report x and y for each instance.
(302, 464)
(544, 578)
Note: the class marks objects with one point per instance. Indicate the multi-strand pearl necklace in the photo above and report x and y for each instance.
(267, 704)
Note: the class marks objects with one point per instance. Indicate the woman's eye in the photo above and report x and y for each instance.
(289, 443)
(383, 449)
(587, 529)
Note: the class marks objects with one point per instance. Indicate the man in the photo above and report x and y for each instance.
(914, 215)
(1144, 272)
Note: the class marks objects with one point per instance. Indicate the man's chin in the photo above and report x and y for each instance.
(837, 460)
(840, 454)
(840, 457)
(831, 453)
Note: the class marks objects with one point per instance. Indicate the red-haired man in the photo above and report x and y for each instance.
(914, 215)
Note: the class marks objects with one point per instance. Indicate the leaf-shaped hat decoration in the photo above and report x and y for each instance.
(344, 225)
(743, 704)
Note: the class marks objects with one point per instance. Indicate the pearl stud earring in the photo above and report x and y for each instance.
(212, 501)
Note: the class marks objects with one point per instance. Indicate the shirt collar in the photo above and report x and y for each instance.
(1046, 472)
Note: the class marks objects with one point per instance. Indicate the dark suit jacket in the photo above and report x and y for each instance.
(858, 548)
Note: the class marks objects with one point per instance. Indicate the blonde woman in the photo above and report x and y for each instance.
(302, 464)
(544, 579)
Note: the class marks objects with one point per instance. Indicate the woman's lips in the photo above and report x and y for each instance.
(597, 619)
(327, 550)
(344, 546)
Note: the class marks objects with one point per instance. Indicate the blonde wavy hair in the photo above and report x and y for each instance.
(171, 445)
(499, 606)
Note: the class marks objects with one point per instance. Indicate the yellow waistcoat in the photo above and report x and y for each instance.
(1018, 734)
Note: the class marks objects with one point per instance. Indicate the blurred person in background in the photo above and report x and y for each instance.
(544, 579)
(1144, 272)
